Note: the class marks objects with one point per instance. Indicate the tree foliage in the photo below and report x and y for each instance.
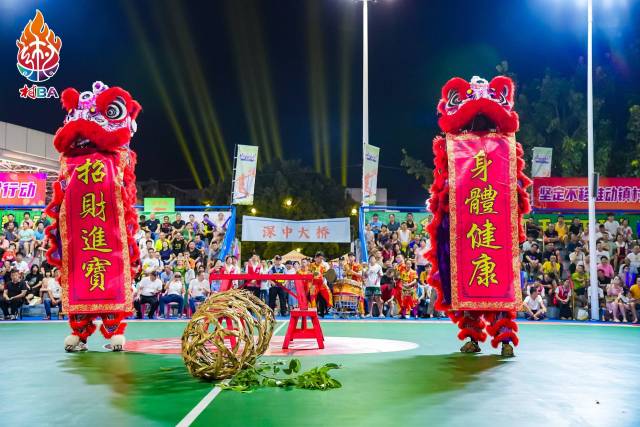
(633, 136)
(418, 169)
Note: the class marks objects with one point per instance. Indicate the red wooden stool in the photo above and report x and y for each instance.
(293, 332)
(302, 313)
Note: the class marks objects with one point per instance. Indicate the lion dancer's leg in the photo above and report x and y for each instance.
(82, 327)
(325, 292)
(113, 329)
(312, 291)
(502, 327)
(472, 327)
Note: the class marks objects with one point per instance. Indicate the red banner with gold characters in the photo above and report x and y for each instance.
(484, 222)
(96, 258)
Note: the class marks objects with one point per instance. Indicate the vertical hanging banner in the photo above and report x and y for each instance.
(370, 174)
(541, 162)
(484, 222)
(245, 177)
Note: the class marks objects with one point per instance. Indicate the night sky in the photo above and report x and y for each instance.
(414, 47)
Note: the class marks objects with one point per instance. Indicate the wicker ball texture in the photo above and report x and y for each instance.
(207, 349)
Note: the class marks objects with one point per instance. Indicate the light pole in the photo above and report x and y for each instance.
(365, 89)
(593, 190)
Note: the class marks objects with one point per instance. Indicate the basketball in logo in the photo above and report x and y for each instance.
(38, 50)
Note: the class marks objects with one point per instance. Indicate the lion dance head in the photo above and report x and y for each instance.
(100, 119)
(478, 105)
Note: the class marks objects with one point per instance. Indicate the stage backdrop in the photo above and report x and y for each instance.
(485, 271)
(563, 194)
(22, 189)
(257, 229)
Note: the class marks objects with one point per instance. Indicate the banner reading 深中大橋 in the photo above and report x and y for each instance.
(330, 230)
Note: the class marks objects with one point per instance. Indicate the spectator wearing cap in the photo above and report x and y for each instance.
(276, 290)
(147, 293)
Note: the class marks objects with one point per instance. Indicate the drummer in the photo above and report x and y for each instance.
(408, 288)
(353, 271)
(319, 284)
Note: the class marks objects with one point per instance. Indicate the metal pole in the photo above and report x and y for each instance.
(233, 173)
(365, 90)
(593, 272)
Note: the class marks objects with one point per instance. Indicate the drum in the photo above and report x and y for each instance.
(331, 276)
(348, 297)
(347, 286)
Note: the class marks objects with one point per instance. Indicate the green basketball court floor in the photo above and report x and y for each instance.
(564, 374)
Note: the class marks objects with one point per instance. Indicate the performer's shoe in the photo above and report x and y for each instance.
(117, 343)
(507, 350)
(73, 344)
(470, 347)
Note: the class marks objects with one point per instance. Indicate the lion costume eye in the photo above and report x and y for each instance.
(116, 110)
(502, 97)
(453, 99)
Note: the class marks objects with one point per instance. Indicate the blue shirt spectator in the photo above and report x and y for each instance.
(375, 224)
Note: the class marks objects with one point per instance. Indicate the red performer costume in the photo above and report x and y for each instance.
(318, 284)
(353, 271)
(406, 289)
(93, 213)
(477, 199)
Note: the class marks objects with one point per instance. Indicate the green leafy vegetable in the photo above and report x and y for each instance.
(274, 374)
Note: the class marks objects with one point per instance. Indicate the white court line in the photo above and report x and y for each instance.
(202, 405)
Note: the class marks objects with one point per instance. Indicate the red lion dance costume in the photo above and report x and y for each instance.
(478, 198)
(94, 220)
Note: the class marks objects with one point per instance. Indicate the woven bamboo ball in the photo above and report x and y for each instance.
(207, 349)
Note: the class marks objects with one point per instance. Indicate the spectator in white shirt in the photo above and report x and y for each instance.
(534, 306)
(147, 293)
(174, 294)
(51, 293)
(152, 262)
(611, 225)
(634, 260)
(373, 291)
(198, 290)
(21, 265)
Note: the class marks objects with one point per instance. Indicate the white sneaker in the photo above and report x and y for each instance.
(367, 316)
(382, 316)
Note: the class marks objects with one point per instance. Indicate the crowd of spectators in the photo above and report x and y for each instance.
(556, 261)
(168, 250)
(180, 260)
(554, 265)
